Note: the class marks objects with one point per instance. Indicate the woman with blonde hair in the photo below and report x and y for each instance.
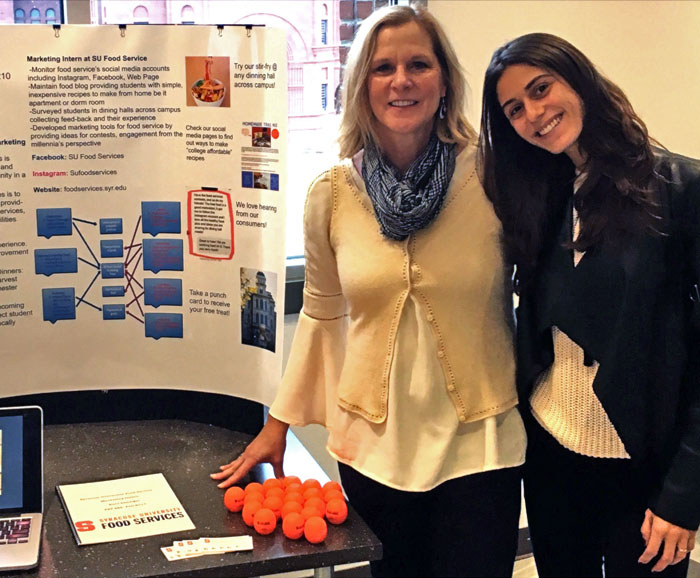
(404, 345)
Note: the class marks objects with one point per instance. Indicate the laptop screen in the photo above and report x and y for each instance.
(11, 462)
(21, 483)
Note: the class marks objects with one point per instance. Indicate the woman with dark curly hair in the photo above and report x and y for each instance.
(604, 233)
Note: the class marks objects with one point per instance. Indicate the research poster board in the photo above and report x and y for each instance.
(142, 183)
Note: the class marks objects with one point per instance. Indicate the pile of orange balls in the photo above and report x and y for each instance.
(302, 507)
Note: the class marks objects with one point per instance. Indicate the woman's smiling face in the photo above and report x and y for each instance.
(404, 84)
(543, 109)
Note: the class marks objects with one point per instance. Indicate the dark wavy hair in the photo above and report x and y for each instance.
(529, 187)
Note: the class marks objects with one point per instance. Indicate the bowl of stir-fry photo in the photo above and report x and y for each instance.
(208, 92)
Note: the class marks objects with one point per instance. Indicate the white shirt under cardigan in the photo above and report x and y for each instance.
(421, 444)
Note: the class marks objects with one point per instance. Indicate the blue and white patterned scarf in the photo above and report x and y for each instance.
(407, 203)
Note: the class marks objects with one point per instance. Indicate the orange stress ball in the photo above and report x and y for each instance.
(249, 511)
(291, 480)
(275, 504)
(264, 521)
(317, 503)
(336, 511)
(311, 512)
(312, 492)
(294, 497)
(254, 497)
(272, 483)
(333, 495)
(276, 491)
(315, 530)
(331, 486)
(254, 487)
(233, 499)
(290, 507)
(311, 483)
(293, 526)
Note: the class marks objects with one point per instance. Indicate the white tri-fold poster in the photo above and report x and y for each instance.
(142, 187)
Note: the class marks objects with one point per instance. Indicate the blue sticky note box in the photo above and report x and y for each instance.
(50, 222)
(111, 248)
(50, 261)
(58, 303)
(110, 312)
(112, 270)
(162, 292)
(162, 255)
(160, 217)
(110, 226)
(112, 291)
(163, 325)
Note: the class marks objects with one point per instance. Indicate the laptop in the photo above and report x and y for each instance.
(21, 486)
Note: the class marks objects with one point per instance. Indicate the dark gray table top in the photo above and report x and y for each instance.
(185, 452)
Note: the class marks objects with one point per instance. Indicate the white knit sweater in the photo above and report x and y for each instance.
(564, 402)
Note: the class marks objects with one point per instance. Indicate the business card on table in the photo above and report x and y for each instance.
(181, 549)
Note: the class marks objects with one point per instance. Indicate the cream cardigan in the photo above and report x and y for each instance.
(357, 282)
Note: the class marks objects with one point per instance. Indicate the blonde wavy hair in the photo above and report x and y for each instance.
(357, 121)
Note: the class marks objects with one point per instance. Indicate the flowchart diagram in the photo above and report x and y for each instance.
(126, 290)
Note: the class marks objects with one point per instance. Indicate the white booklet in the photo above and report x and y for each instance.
(122, 509)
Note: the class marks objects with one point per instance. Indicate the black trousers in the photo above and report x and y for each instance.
(465, 527)
(585, 513)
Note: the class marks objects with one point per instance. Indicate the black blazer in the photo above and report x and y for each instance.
(629, 309)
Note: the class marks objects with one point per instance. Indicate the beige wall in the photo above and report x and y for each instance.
(651, 49)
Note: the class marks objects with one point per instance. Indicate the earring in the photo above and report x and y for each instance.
(442, 109)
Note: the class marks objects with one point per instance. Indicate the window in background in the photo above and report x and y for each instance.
(187, 15)
(31, 12)
(141, 15)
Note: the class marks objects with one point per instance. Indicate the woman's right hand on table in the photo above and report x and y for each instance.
(267, 447)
